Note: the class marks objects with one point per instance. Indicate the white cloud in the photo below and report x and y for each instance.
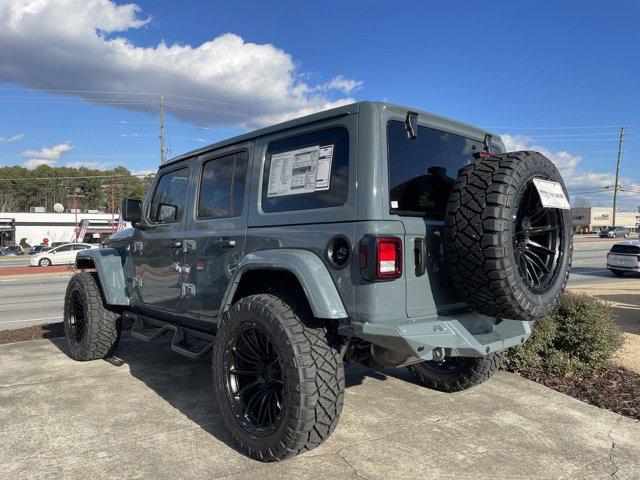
(92, 165)
(79, 45)
(342, 84)
(577, 178)
(12, 138)
(46, 155)
(144, 173)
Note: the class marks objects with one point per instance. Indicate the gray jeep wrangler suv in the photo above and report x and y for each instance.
(369, 233)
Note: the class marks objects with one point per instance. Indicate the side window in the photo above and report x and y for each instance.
(307, 171)
(66, 248)
(222, 186)
(80, 247)
(422, 171)
(168, 202)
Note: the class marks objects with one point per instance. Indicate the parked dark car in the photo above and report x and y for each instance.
(615, 232)
(38, 249)
(13, 250)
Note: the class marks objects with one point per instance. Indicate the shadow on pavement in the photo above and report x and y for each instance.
(187, 384)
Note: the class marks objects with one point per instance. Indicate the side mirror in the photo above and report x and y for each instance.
(167, 213)
(131, 210)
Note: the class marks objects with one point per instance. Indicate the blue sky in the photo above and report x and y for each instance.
(529, 70)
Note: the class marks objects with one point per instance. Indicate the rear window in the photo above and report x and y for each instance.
(307, 171)
(422, 171)
(633, 249)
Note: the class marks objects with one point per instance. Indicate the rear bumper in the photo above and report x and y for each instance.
(623, 268)
(462, 335)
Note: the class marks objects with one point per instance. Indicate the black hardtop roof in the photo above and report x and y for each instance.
(316, 117)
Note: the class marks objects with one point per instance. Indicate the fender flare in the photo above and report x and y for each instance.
(108, 264)
(311, 272)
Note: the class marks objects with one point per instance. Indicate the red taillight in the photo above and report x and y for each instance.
(388, 257)
(638, 257)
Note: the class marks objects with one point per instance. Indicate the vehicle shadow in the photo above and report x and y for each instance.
(186, 384)
(601, 272)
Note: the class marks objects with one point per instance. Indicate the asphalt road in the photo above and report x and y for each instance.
(27, 301)
(14, 261)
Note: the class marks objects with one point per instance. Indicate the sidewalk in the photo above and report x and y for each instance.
(625, 300)
(149, 413)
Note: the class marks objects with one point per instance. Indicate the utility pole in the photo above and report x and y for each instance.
(162, 159)
(615, 188)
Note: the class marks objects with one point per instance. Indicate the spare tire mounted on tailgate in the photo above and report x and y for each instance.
(508, 256)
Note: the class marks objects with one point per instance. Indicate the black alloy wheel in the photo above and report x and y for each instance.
(254, 379)
(538, 241)
(76, 316)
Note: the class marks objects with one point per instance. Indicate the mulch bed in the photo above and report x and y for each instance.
(616, 389)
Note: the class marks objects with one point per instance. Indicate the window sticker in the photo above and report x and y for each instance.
(305, 170)
(551, 194)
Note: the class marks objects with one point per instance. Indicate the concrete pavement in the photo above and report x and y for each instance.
(149, 413)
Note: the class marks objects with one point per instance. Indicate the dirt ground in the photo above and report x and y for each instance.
(625, 299)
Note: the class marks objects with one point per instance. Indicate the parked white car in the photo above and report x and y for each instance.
(624, 257)
(64, 254)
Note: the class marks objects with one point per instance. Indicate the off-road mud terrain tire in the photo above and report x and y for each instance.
(480, 228)
(465, 372)
(312, 373)
(101, 326)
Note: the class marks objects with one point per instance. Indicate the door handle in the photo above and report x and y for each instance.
(225, 243)
(420, 250)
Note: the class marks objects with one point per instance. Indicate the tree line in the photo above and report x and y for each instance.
(44, 186)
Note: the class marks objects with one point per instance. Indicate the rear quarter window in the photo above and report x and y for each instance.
(631, 249)
(307, 171)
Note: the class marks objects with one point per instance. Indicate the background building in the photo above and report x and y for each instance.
(31, 228)
(587, 219)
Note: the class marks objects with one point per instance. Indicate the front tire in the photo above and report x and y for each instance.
(456, 373)
(278, 377)
(44, 262)
(92, 330)
(617, 273)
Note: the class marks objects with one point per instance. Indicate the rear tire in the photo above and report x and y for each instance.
(92, 330)
(456, 373)
(278, 377)
(617, 273)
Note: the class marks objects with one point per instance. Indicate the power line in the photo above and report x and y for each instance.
(557, 127)
(107, 92)
(576, 135)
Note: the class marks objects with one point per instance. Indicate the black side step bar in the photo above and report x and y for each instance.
(150, 329)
